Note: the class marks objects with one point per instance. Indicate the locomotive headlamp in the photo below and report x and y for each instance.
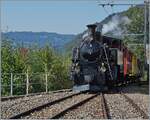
(103, 68)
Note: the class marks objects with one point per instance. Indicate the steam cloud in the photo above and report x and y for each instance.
(114, 25)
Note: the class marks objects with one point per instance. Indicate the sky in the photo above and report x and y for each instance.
(61, 16)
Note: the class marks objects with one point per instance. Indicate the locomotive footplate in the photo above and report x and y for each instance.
(89, 87)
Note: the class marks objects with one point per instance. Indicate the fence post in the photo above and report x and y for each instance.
(27, 83)
(11, 84)
(46, 81)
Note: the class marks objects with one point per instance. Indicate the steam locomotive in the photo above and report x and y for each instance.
(100, 62)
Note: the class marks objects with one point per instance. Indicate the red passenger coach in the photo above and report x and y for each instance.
(124, 59)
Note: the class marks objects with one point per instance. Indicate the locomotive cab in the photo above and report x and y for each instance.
(116, 64)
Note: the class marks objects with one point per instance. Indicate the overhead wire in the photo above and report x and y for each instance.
(105, 10)
(103, 6)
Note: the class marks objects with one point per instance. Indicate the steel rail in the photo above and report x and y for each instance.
(105, 107)
(61, 113)
(144, 115)
(33, 94)
(25, 113)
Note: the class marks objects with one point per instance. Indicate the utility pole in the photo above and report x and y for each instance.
(27, 82)
(145, 29)
(146, 37)
(46, 78)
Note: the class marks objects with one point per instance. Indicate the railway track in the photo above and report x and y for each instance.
(128, 99)
(58, 108)
(73, 106)
(114, 105)
(105, 108)
(120, 106)
(32, 94)
(27, 112)
(90, 108)
(11, 107)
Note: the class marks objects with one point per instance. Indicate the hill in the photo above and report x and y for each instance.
(56, 40)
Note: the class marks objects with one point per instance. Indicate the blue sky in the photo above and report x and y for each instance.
(61, 16)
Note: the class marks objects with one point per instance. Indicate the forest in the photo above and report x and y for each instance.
(41, 65)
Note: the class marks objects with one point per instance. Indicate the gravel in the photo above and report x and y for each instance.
(140, 98)
(52, 110)
(12, 107)
(89, 110)
(119, 108)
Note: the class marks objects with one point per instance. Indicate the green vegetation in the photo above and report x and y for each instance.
(37, 62)
(136, 15)
(136, 43)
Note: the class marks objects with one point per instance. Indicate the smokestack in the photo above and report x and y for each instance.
(91, 30)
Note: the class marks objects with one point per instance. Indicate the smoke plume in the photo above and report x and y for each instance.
(116, 24)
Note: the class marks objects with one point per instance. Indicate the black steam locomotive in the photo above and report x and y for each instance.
(101, 62)
(90, 64)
